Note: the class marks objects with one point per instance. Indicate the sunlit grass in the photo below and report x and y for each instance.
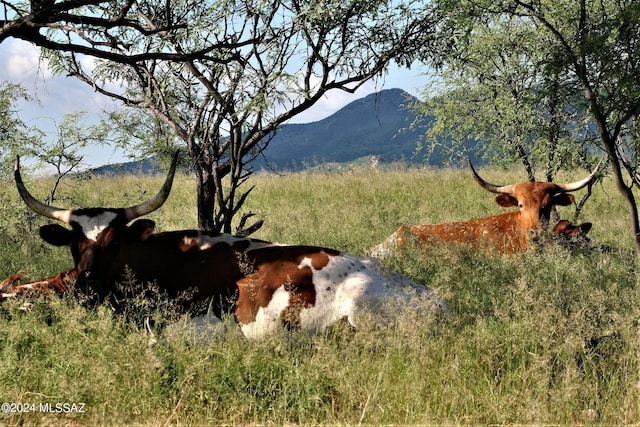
(547, 337)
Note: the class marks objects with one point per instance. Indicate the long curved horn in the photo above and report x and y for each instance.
(144, 208)
(573, 186)
(502, 189)
(63, 215)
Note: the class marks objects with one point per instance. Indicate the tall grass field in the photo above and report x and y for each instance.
(549, 336)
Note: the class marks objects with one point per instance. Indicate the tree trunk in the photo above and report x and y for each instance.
(628, 196)
(610, 146)
(624, 189)
(206, 191)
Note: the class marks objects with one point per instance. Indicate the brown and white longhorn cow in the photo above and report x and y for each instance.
(264, 284)
(504, 233)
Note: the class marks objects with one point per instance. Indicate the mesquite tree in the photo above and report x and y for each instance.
(592, 49)
(499, 94)
(497, 98)
(14, 132)
(273, 60)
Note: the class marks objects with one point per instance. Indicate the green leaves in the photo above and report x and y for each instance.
(502, 87)
(15, 134)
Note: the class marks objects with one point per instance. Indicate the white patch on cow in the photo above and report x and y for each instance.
(189, 242)
(348, 284)
(268, 318)
(345, 287)
(204, 242)
(92, 226)
(26, 306)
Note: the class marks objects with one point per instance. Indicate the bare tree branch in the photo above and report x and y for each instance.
(268, 65)
(96, 28)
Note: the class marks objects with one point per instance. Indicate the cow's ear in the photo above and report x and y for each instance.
(506, 201)
(56, 235)
(563, 199)
(585, 227)
(142, 228)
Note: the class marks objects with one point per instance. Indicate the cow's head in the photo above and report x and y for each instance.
(534, 199)
(95, 232)
(564, 229)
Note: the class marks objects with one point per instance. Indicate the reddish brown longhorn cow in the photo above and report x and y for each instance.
(263, 284)
(504, 233)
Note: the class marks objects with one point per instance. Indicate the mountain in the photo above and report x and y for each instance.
(145, 166)
(371, 126)
(375, 125)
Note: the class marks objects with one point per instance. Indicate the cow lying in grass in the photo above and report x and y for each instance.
(566, 231)
(575, 237)
(265, 285)
(505, 233)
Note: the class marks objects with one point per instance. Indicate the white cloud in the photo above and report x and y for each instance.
(58, 95)
(20, 62)
(329, 104)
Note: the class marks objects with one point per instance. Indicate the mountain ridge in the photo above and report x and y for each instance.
(376, 125)
(369, 126)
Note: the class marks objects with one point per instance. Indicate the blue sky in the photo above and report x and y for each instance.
(60, 95)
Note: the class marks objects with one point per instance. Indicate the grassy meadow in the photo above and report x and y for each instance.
(547, 337)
